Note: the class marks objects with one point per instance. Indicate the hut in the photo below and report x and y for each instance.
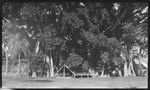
(85, 74)
(64, 71)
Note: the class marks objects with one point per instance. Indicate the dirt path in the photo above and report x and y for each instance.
(120, 82)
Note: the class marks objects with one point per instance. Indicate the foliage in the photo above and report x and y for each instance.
(74, 60)
(72, 20)
(99, 66)
(14, 40)
(137, 33)
(85, 66)
(50, 39)
(105, 57)
(110, 27)
(102, 40)
(117, 60)
(37, 62)
(111, 43)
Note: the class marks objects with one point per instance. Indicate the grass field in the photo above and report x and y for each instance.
(107, 82)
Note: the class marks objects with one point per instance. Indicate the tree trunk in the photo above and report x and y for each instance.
(140, 71)
(102, 74)
(125, 69)
(120, 74)
(46, 57)
(28, 69)
(47, 61)
(127, 66)
(140, 66)
(6, 70)
(52, 67)
(19, 66)
(132, 65)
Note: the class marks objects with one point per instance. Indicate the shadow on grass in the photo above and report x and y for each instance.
(38, 81)
(131, 87)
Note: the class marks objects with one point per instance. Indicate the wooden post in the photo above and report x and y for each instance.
(64, 71)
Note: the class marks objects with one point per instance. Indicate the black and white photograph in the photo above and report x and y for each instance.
(74, 44)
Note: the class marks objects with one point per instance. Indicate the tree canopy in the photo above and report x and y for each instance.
(91, 28)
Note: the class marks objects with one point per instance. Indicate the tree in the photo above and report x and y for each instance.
(136, 34)
(50, 40)
(37, 64)
(23, 47)
(105, 59)
(8, 39)
(14, 42)
(97, 25)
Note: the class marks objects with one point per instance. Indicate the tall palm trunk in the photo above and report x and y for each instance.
(6, 70)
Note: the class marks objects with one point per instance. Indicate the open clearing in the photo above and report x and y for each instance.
(107, 82)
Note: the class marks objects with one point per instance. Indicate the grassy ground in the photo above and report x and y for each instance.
(107, 82)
